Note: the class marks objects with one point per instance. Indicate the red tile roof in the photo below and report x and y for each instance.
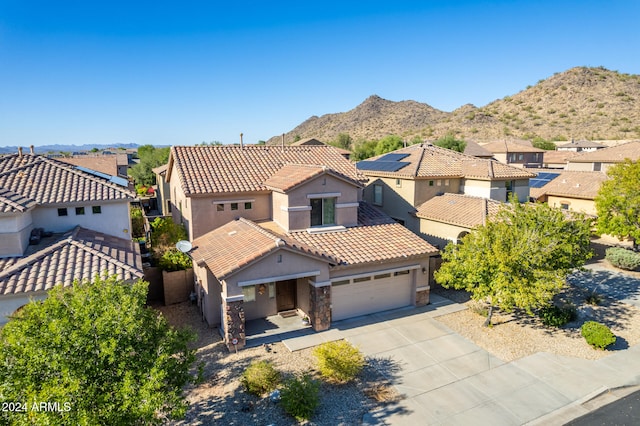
(427, 160)
(293, 175)
(575, 184)
(506, 146)
(101, 163)
(11, 202)
(462, 210)
(225, 169)
(614, 154)
(78, 255)
(48, 181)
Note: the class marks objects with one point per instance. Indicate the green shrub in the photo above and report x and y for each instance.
(598, 335)
(623, 259)
(339, 361)
(555, 316)
(300, 397)
(174, 260)
(593, 298)
(260, 377)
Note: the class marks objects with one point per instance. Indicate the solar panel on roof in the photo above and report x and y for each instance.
(392, 157)
(542, 179)
(381, 166)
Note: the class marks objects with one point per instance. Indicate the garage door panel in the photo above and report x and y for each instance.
(362, 298)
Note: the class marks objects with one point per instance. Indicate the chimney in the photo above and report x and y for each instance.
(20, 151)
(32, 149)
(283, 142)
(241, 143)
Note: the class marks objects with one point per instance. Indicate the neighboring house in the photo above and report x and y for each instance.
(571, 190)
(80, 254)
(315, 142)
(284, 229)
(401, 181)
(40, 192)
(602, 159)
(580, 146)
(557, 159)
(476, 150)
(163, 193)
(112, 165)
(516, 153)
(449, 217)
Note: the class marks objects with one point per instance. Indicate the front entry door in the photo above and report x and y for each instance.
(286, 295)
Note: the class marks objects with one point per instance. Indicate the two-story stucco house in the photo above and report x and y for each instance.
(516, 153)
(400, 183)
(602, 159)
(285, 229)
(59, 224)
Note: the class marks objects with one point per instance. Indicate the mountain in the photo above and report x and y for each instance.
(580, 103)
(43, 149)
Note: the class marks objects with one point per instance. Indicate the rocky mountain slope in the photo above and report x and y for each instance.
(580, 103)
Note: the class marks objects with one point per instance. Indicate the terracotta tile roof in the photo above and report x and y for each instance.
(216, 169)
(369, 215)
(316, 142)
(558, 157)
(293, 175)
(573, 184)
(101, 163)
(614, 154)
(581, 144)
(476, 150)
(78, 255)
(462, 210)
(48, 181)
(11, 202)
(235, 245)
(160, 169)
(427, 160)
(369, 244)
(506, 146)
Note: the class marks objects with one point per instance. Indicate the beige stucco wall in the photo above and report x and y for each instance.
(589, 167)
(397, 202)
(280, 216)
(179, 211)
(209, 292)
(14, 233)
(496, 189)
(575, 204)
(205, 217)
(9, 304)
(440, 234)
(425, 192)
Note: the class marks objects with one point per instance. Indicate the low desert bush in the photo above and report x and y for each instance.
(598, 335)
(593, 298)
(300, 397)
(623, 258)
(260, 377)
(555, 316)
(339, 361)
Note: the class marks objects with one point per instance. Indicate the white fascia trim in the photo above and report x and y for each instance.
(423, 288)
(245, 200)
(278, 278)
(346, 205)
(379, 272)
(295, 208)
(320, 284)
(325, 195)
(229, 299)
(326, 229)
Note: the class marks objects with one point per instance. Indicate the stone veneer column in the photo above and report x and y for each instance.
(320, 306)
(234, 322)
(422, 295)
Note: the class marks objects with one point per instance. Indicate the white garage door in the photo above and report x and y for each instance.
(362, 296)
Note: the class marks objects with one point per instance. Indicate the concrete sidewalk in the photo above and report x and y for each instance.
(447, 379)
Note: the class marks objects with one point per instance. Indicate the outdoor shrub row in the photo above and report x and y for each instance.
(598, 335)
(623, 258)
(555, 316)
(300, 396)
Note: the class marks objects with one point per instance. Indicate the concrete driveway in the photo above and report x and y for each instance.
(447, 379)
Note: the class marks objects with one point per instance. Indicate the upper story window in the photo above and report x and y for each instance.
(62, 212)
(398, 183)
(323, 211)
(248, 205)
(79, 211)
(234, 206)
(96, 209)
(219, 207)
(377, 195)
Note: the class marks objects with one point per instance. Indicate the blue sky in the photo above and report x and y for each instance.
(168, 72)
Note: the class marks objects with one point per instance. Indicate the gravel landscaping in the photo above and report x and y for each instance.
(221, 399)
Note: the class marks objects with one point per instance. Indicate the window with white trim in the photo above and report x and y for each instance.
(323, 211)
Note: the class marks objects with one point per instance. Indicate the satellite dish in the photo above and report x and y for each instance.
(184, 246)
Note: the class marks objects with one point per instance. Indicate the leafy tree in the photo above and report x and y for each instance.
(364, 150)
(388, 144)
(540, 143)
(99, 352)
(416, 140)
(137, 222)
(519, 260)
(150, 158)
(164, 236)
(343, 140)
(450, 142)
(212, 143)
(618, 202)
